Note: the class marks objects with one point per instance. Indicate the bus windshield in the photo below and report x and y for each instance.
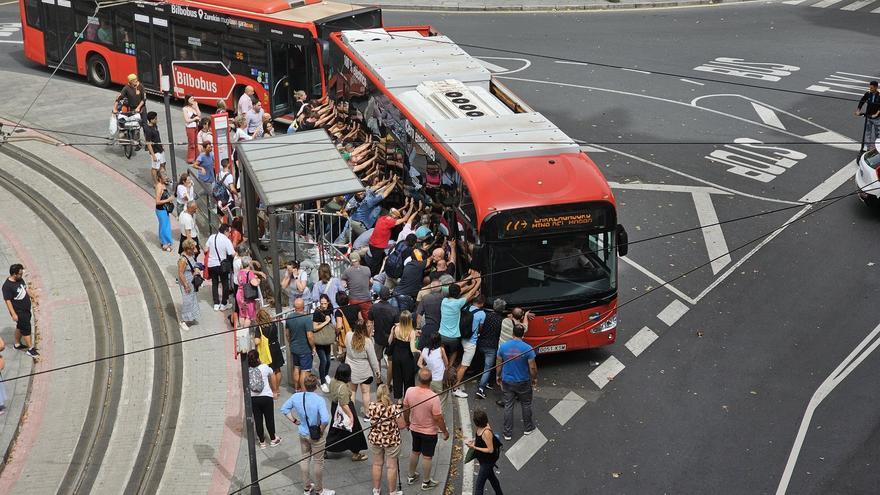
(575, 266)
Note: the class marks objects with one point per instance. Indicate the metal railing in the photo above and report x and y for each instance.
(315, 235)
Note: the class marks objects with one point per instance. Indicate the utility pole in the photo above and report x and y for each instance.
(166, 94)
(244, 344)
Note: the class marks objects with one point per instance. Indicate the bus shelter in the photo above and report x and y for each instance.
(279, 173)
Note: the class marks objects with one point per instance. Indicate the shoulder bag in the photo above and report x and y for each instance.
(326, 335)
(263, 348)
(225, 263)
(314, 430)
(250, 292)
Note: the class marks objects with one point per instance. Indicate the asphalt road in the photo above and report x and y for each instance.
(716, 402)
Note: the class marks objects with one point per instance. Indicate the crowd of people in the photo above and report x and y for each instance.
(404, 321)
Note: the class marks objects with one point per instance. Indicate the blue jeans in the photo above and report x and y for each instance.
(323, 361)
(487, 472)
(164, 227)
(403, 303)
(488, 366)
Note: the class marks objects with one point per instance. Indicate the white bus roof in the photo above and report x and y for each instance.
(448, 92)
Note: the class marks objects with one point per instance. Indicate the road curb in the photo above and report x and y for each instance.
(554, 8)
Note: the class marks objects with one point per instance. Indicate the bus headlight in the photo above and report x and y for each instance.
(606, 326)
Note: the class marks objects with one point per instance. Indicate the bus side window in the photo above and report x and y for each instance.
(32, 13)
(124, 28)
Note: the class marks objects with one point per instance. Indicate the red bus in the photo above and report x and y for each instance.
(273, 45)
(533, 213)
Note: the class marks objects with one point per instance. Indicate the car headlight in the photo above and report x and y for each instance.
(606, 326)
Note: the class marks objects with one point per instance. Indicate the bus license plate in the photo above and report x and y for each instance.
(551, 348)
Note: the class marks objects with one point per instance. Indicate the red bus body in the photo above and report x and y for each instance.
(284, 39)
(509, 184)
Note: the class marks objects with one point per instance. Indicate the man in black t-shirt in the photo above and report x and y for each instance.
(18, 302)
(383, 315)
(154, 146)
(871, 113)
(410, 282)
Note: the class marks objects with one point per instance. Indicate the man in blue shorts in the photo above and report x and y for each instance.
(302, 344)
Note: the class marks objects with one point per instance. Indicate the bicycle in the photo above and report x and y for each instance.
(129, 132)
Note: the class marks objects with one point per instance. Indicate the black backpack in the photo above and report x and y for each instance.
(219, 191)
(394, 261)
(466, 322)
(496, 448)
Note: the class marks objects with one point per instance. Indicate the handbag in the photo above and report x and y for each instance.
(340, 420)
(326, 335)
(169, 207)
(225, 263)
(197, 280)
(346, 329)
(314, 431)
(263, 348)
(250, 292)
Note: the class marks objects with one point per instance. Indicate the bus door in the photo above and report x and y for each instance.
(60, 32)
(289, 74)
(153, 47)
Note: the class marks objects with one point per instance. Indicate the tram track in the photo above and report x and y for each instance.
(95, 437)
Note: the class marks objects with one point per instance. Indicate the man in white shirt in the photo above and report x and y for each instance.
(188, 227)
(219, 249)
(246, 101)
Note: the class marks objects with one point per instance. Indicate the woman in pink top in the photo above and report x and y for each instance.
(247, 309)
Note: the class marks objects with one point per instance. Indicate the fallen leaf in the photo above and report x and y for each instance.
(699, 333)
(753, 392)
(616, 474)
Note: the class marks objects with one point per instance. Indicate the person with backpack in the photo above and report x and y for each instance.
(247, 283)
(262, 397)
(223, 191)
(220, 255)
(470, 324)
(382, 233)
(396, 259)
(450, 318)
(487, 451)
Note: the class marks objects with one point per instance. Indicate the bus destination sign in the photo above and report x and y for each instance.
(550, 220)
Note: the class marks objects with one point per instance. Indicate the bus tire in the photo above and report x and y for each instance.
(97, 71)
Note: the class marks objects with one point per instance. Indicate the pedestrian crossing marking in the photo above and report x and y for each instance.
(525, 448)
(857, 5)
(567, 407)
(825, 3)
(794, 2)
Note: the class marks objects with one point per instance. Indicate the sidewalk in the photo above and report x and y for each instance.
(340, 472)
(537, 5)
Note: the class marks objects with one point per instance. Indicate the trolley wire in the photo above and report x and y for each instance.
(277, 319)
(553, 338)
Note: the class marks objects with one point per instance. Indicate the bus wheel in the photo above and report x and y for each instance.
(97, 71)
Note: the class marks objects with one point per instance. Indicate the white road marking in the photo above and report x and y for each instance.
(673, 312)
(695, 178)
(834, 139)
(9, 3)
(590, 149)
(818, 193)
(492, 67)
(793, 2)
(525, 448)
(497, 68)
(693, 105)
(831, 184)
(565, 409)
(635, 70)
(12, 41)
(716, 246)
(876, 11)
(827, 136)
(467, 471)
(641, 340)
(862, 351)
(567, 62)
(667, 188)
(629, 261)
(825, 3)
(692, 82)
(857, 5)
(768, 116)
(606, 371)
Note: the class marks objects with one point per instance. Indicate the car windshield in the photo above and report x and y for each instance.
(872, 158)
(566, 267)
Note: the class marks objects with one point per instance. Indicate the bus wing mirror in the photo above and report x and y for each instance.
(622, 240)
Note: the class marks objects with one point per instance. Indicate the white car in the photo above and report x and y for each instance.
(868, 178)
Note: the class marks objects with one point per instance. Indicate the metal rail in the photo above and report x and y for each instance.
(166, 395)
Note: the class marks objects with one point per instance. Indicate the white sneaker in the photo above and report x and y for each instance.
(183, 326)
(377, 491)
(327, 379)
(216, 307)
(325, 388)
(227, 307)
(326, 491)
(459, 393)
